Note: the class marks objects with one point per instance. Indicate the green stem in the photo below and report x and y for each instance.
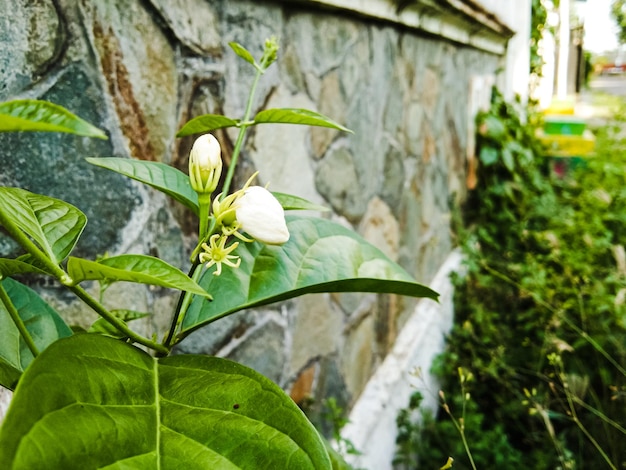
(178, 312)
(116, 322)
(204, 203)
(245, 123)
(578, 423)
(15, 316)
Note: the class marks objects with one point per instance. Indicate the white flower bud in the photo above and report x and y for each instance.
(261, 216)
(205, 164)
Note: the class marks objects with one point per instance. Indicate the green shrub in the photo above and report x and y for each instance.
(540, 315)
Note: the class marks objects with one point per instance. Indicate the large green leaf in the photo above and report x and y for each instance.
(296, 116)
(320, 256)
(162, 177)
(42, 322)
(35, 115)
(206, 123)
(53, 224)
(95, 402)
(132, 268)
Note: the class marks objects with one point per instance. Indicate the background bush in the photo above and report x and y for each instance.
(540, 315)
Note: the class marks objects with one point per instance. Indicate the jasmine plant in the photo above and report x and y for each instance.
(112, 398)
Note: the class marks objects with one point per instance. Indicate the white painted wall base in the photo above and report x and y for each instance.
(372, 427)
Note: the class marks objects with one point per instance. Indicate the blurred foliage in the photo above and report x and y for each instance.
(546, 278)
(618, 12)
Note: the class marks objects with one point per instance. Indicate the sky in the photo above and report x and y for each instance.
(600, 28)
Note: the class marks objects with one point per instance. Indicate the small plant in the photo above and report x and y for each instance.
(96, 400)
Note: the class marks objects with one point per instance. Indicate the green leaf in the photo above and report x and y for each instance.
(42, 322)
(507, 158)
(495, 128)
(10, 267)
(161, 177)
(35, 115)
(95, 402)
(242, 52)
(488, 155)
(296, 116)
(53, 224)
(132, 268)
(295, 203)
(320, 256)
(206, 123)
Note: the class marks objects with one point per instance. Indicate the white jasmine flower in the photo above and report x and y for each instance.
(261, 216)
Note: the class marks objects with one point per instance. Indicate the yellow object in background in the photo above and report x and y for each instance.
(558, 145)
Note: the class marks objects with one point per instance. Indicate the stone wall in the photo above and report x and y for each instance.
(139, 69)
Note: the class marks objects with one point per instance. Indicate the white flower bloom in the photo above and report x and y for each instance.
(261, 216)
(205, 164)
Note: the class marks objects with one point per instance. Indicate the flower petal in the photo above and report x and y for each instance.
(261, 216)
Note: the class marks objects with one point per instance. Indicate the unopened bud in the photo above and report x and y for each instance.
(205, 164)
(270, 52)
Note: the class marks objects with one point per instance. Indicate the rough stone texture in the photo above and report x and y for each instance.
(314, 318)
(31, 39)
(140, 70)
(262, 348)
(138, 65)
(193, 22)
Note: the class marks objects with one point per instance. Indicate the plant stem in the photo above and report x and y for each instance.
(204, 203)
(15, 316)
(572, 408)
(181, 307)
(116, 322)
(185, 297)
(242, 132)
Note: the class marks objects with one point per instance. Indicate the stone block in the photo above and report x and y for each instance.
(282, 158)
(316, 330)
(53, 164)
(32, 37)
(336, 179)
(262, 349)
(139, 70)
(193, 22)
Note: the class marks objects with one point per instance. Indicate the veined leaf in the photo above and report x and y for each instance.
(297, 116)
(42, 322)
(133, 268)
(36, 115)
(242, 52)
(10, 267)
(206, 123)
(160, 176)
(53, 224)
(296, 203)
(320, 256)
(116, 407)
